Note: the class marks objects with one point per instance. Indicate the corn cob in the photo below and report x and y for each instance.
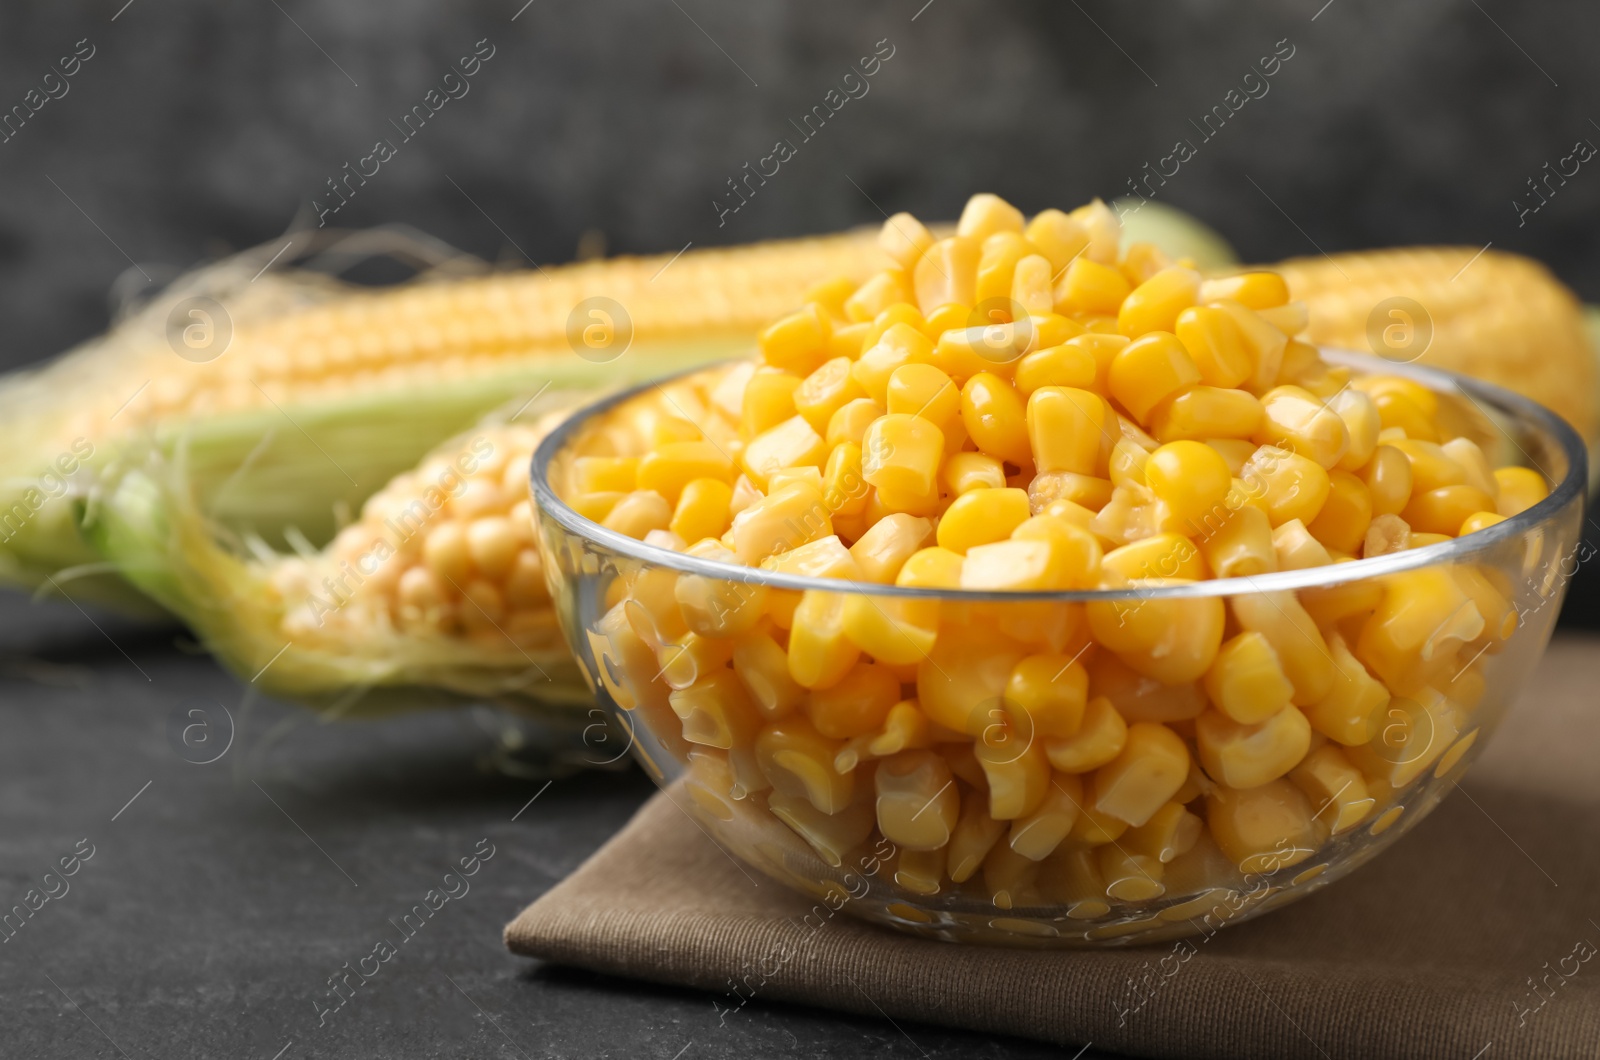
(1499, 317)
(326, 390)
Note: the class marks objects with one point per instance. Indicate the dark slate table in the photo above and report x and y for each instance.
(220, 898)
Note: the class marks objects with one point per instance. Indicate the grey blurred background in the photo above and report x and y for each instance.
(199, 128)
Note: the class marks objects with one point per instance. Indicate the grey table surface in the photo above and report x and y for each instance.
(221, 897)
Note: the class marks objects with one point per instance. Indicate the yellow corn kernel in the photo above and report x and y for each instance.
(850, 421)
(1388, 479)
(1142, 261)
(762, 665)
(1397, 411)
(1191, 479)
(902, 453)
(635, 514)
(1016, 566)
(1173, 640)
(1292, 486)
(947, 273)
(1011, 879)
(1297, 549)
(1336, 789)
(931, 568)
(1099, 740)
(887, 544)
(1052, 329)
(1499, 616)
(768, 400)
(669, 468)
(954, 316)
(1145, 775)
(1263, 829)
(1018, 773)
(825, 391)
(1414, 633)
(1234, 451)
(1431, 467)
(1214, 342)
(1298, 421)
(905, 728)
(920, 871)
(1064, 365)
(778, 522)
(887, 288)
(1443, 510)
(702, 510)
(1164, 555)
(1126, 463)
(1067, 428)
(1059, 238)
(1412, 736)
(1037, 835)
(1129, 877)
(856, 704)
(1265, 343)
(981, 517)
(886, 501)
(1207, 414)
(1247, 683)
(792, 443)
(714, 607)
(923, 390)
(1257, 290)
(1138, 698)
(1148, 371)
(1171, 832)
(1076, 549)
(901, 344)
(961, 682)
(1361, 426)
(598, 474)
(972, 471)
(596, 506)
(1424, 400)
(1051, 691)
(831, 294)
(825, 557)
(904, 313)
(904, 239)
(1031, 285)
(1301, 651)
(1093, 828)
(974, 836)
(819, 652)
(1386, 534)
(1520, 489)
(985, 214)
(1155, 304)
(995, 418)
(919, 804)
(798, 761)
(1240, 544)
(893, 630)
(997, 266)
(1469, 457)
(844, 490)
(1056, 487)
(716, 711)
(832, 836)
(808, 477)
(1342, 523)
(1088, 287)
(797, 343)
(1246, 756)
(848, 340)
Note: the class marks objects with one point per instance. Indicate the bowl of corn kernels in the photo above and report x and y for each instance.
(1043, 591)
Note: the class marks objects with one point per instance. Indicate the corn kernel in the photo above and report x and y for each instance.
(1018, 566)
(902, 453)
(1164, 555)
(1303, 654)
(1090, 287)
(1296, 420)
(671, 467)
(844, 491)
(825, 391)
(716, 711)
(850, 422)
(702, 510)
(1361, 425)
(1342, 523)
(1520, 489)
(768, 400)
(830, 835)
(826, 557)
(1126, 463)
(947, 273)
(1191, 479)
(1076, 550)
(1099, 740)
(923, 390)
(1297, 549)
(1388, 479)
(1214, 342)
(797, 343)
(981, 517)
(885, 547)
(1413, 736)
(635, 514)
(931, 568)
(783, 520)
(1031, 287)
(1067, 428)
(764, 668)
(986, 214)
(1152, 766)
(1208, 414)
(1265, 343)
(1011, 879)
(893, 630)
(1247, 683)
(1442, 511)
(1171, 832)
(1247, 756)
(596, 506)
(1293, 486)
(1054, 487)
(819, 652)
(904, 239)
(1018, 773)
(1239, 544)
(1337, 790)
(1058, 237)
(1129, 877)
(1148, 371)
(1037, 835)
(599, 474)
(798, 761)
(920, 871)
(971, 471)
(974, 836)
(1155, 304)
(1173, 640)
(1257, 290)
(1052, 691)
(997, 266)
(1414, 633)
(1263, 829)
(887, 288)
(900, 344)
(848, 340)
(954, 316)
(1138, 698)
(1064, 365)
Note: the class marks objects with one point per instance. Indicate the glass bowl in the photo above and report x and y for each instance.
(1420, 653)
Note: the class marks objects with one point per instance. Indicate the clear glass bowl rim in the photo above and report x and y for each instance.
(1521, 410)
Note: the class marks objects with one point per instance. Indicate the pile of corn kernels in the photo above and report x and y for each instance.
(1024, 406)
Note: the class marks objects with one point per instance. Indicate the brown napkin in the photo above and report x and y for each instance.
(1469, 939)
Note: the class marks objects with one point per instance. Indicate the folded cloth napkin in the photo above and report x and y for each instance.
(1471, 939)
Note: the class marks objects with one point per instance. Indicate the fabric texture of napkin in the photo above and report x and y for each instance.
(1470, 938)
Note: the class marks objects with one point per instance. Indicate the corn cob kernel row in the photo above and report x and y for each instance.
(1117, 422)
